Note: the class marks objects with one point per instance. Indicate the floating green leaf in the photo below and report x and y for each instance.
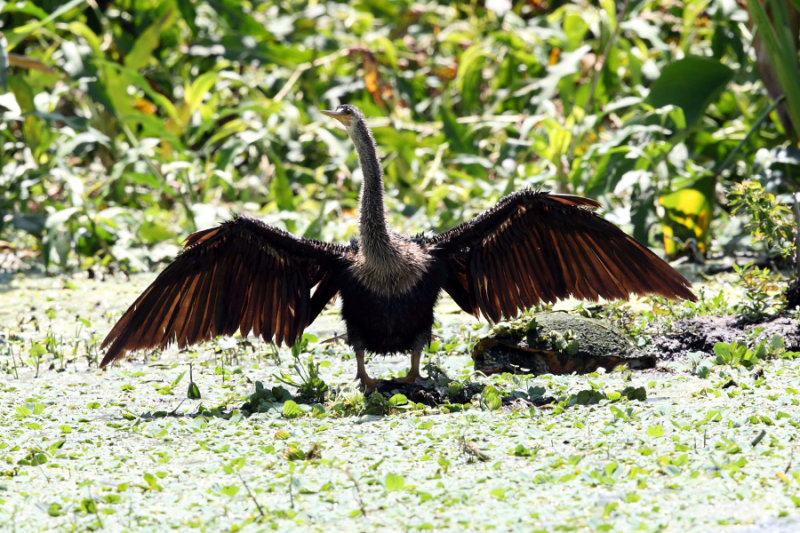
(393, 482)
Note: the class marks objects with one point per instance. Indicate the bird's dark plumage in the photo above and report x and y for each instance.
(540, 247)
(245, 275)
(241, 275)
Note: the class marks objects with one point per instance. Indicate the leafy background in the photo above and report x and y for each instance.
(127, 125)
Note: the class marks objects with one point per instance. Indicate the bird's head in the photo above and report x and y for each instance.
(347, 114)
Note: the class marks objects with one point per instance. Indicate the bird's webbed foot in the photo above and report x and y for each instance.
(367, 385)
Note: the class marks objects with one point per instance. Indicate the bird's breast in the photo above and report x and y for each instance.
(395, 269)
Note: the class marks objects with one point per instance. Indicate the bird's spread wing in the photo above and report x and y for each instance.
(241, 275)
(538, 247)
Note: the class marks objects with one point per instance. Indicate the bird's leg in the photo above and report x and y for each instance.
(367, 383)
(413, 375)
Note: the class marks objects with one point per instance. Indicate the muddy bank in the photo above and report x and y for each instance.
(700, 334)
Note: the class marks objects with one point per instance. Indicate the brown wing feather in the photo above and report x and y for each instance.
(537, 246)
(241, 275)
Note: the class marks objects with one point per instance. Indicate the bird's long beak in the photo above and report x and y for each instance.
(344, 118)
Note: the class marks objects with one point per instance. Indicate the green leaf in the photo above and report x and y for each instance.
(469, 78)
(498, 494)
(490, 398)
(691, 84)
(291, 409)
(398, 399)
(781, 46)
(152, 232)
(194, 391)
(522, 451)
(141, 53)
(723, 352)
(280, 188)
(152, 482)
(89, 506)
(54, 509)
(575, 28)
(178, 379)
(687, 215)
(194, 95)
(776, 343)
(388, 48)
(20, 33)
(37, 350)
(655, 431)
(295, 454)
(588, 397)
(230, 490)
(457, 134)
(635, 393)
(3, 63)
(394, 482)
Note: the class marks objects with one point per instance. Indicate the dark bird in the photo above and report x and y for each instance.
(244, 275)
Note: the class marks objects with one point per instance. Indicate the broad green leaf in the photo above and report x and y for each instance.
(723, 352)
(398, 399)
(691, 84)
(575, 28)
(687, 215)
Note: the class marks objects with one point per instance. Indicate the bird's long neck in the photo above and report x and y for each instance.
(375, 240)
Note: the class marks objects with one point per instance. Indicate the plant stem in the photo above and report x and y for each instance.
(796, 237)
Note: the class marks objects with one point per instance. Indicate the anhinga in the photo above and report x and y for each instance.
(244, 275)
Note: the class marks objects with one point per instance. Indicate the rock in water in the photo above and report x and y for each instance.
(556, 343)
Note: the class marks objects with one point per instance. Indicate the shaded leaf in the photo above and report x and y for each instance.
(691, 84)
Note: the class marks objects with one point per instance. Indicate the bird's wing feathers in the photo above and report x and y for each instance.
(241, 275)
(538, 247)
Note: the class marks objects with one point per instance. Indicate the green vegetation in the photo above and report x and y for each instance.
(128, 448)
(126, 125)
